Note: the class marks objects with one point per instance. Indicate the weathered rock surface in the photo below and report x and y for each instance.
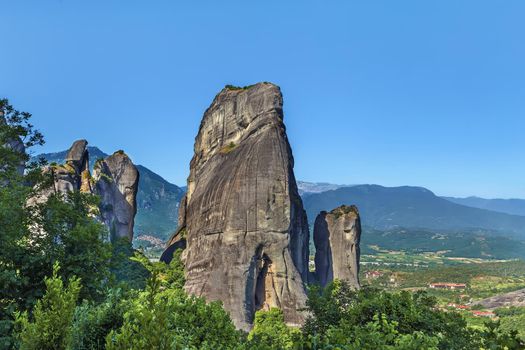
(511, 299)
(336, 237)
(74, 174)
(246, 229)
(116, 182)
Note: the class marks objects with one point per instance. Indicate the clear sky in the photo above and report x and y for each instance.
(427, 93)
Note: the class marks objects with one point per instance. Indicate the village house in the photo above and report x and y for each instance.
(451, 286)
(458, 306)
(373, 274)
(489, 314)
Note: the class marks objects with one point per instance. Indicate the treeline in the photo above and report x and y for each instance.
(64, 286)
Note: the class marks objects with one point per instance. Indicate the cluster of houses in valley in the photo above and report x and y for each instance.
(461, 286)
(374, 274)
(476, 313)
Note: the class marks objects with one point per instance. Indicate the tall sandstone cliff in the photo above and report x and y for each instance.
(336, 237)
(243, 219)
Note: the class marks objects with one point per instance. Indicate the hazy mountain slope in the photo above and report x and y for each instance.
(389, 207)
(470, 244)
(157, 199)
(307, 188)
(158, 205)
(509, 206)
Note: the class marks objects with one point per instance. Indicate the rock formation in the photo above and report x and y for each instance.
(74, 174)
(336, 238)
(116, 182)
(245, 226)
(115, 179)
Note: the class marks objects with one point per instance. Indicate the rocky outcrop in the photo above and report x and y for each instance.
(246, 229)
(116, 181)
(74, 174)
(336, 238)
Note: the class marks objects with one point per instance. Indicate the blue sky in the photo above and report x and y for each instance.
(427, 93)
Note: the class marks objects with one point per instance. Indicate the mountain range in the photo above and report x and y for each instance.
(508, 206)
(387, 209)
(415, 207)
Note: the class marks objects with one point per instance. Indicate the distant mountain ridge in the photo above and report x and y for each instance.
(414, 207)
(509, 206)
(306, 188)
(463, 243)
(157, 199)
(381, 208)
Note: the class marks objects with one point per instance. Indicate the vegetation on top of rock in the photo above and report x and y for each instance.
(228, 148)
(344, 209)
(233, 87)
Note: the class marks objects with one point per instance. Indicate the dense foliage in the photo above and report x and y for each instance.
(52, 316)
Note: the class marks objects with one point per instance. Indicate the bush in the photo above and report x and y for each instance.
(50, 327)
(338, 309)
(270, 332)
(92, 323)
(169, 319)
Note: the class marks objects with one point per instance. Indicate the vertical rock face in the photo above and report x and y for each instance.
(116, 182)
(336, 236)
(246, 229)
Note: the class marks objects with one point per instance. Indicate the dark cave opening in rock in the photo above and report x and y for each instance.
(260, 286)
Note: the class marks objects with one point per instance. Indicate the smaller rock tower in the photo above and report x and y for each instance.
(336, 237)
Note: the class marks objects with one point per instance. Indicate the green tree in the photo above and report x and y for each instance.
(340, 306)
(16, 281)
(270, 332)
(93, 322)
(50, 326)
(34, 237)
(380, 333)
(494, 338)
(129, 268)
(73, 237)
(16, 135)
(166, 318)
